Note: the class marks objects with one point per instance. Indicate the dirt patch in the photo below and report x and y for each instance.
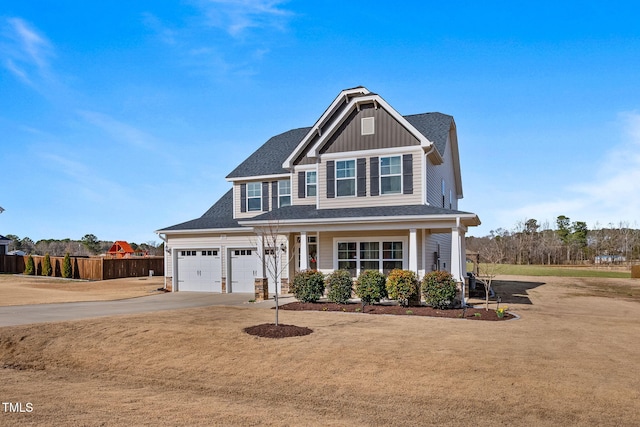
(271, 330)
(470, 313)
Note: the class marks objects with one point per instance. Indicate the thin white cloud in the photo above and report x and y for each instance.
(608, 197)
(236, 17)
(119, 131)
(26, 52)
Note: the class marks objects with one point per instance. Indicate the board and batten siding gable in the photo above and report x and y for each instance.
(435, 175)
(328, 199)
(388, 133)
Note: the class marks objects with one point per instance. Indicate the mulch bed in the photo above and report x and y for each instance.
(270, 330)
(422, 310)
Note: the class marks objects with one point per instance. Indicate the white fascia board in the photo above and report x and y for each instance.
(373, 153)
(168, 233)
(259, 177)
(321, 121)
(355, 102)
(388, 220)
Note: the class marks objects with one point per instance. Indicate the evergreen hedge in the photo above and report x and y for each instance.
(371, 287)
(439, 289)
(308, 286)
(403, 286)
(339, 285)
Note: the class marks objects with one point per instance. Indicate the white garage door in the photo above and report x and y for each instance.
(244, 263)
(199, 270)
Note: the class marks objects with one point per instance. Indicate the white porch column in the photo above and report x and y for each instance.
(456, 256)
(413, 250)
(261, 258)
(304, 251)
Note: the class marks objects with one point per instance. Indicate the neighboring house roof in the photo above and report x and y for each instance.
(309, 212)
(220, 215)
(120, 246)
(4, 239)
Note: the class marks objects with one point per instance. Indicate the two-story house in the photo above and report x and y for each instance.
(363, 188)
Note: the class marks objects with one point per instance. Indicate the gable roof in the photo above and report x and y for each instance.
(4, 239)
(269, 158)
(220, 215)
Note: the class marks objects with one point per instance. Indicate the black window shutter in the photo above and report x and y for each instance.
(361, 174)
(243, 197)
(331, 172)
(274, 195)
(374, 184)
(265, 196)
(407, 174)
(302, 185)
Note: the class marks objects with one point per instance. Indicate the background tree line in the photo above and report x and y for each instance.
(89, 245)
(569, 242)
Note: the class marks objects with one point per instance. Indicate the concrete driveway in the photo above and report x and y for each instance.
(42, 313)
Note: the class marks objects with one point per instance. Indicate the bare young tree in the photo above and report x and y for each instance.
(272, 250)
(491, 256)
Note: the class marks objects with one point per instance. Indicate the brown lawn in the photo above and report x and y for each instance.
(17, 289)
(572, 359)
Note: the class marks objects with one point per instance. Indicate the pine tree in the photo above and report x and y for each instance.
(30, 268)
(46, 266)
(67, 271)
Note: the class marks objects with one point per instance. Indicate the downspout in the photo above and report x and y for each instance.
(426, 156)
(164, 239)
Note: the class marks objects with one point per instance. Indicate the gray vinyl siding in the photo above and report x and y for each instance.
(388, 133)
(379, 200)
(431, 246)
(435, 175)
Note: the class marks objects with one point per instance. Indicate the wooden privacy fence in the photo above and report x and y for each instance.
(88, 268)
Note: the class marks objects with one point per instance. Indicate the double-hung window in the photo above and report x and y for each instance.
(345, 178)
(284, 193)
(391, 175)
(311, 183)
(381, 255)
(254, 196)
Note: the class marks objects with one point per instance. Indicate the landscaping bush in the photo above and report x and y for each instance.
(339, 286)
(67, 271)
(439, 289)
(46, 266)
(371, 287)
(403, 286)
(30, 268)
(308, 286)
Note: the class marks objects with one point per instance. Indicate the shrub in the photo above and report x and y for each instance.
(308, 286)
(439, 289)
(46, 266)
(339, 286)
(371, 286)
(67, 271)
(402, 285)
(30, 268)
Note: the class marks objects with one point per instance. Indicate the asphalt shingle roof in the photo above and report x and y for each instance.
(268, 159)
(435, 126)
(220, 215)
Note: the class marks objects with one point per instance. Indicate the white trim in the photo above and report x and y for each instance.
(354, 103)
(244, 229)
(400, 175)
(354, 177)
(284, 195)
(421, 219)
(306, 183)
(367, 126)
(321, 121)
(273, 177)
(247, 210)
(378, 152)
(379, 239)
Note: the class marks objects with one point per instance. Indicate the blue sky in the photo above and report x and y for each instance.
(119, 118)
